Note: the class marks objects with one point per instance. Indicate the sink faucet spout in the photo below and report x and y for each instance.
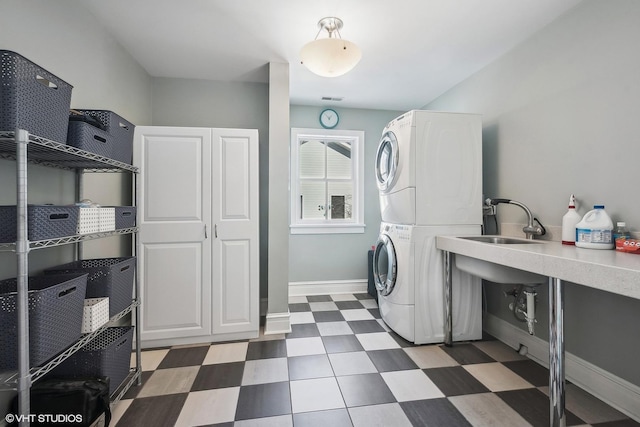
(530, 229)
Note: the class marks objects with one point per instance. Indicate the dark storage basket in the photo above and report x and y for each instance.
(90, 138)
(55, 317)
(107, 355)
(125, 216)
(108, 277)
(43, 222)
(121, 131)
(32, 98)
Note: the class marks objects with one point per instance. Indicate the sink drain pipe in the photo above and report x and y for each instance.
(530, 316)
(523, 306)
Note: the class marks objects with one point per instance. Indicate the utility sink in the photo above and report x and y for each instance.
(500, 240)
(495, 272)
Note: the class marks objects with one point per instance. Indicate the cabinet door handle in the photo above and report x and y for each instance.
(205, 231)
(215, 230)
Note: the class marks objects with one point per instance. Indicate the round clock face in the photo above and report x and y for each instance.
(329, 118)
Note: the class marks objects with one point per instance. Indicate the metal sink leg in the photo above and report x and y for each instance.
(556, 353)
(447, 259)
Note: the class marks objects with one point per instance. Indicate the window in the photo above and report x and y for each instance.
(327, 181)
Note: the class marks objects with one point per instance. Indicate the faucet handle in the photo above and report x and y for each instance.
(542, 229)
(534, 230)
(496, 201)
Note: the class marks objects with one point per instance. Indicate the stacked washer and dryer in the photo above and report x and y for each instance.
(429, 176)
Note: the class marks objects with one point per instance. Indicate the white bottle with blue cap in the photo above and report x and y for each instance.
(595, 231)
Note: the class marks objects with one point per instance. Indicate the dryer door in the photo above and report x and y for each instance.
(387, 161)
(384, 265)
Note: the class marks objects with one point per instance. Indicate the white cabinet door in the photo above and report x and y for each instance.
(235, 242)
(174, 216)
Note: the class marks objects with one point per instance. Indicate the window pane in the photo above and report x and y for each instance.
(326, 179)
(341, 199)
(339, 160)
(313, 199)
(312, 155)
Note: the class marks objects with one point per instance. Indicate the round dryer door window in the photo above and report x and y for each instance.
(387, 161)
(384, 265)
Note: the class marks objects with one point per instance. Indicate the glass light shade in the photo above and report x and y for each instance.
(330, 57)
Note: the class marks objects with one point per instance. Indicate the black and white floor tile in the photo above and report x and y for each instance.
(341, 366)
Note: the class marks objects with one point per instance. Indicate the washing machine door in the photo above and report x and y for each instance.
(384, 265)
(387, 161)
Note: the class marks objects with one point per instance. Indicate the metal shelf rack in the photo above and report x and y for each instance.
(39, 244)
(57, 155)
(24, 148)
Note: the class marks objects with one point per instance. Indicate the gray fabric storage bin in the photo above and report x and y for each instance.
(107, 355)
(32, 98)
(55, 317)
(43, 222)
(125, 216)
(108, 277)
(90, 138)
(120, 130)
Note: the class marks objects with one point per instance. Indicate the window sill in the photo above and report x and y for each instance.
(327, 229)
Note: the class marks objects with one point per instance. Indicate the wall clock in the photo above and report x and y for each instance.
(329, 118)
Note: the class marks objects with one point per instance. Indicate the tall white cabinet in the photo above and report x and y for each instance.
(199, 243)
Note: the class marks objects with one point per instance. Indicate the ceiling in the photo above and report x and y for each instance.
(412, 50)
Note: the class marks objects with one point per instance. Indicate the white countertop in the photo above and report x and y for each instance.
(607, 270)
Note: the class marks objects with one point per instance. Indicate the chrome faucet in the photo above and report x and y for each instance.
(530, 229)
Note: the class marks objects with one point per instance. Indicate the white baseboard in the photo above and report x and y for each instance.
(206, 339)
(278, 323)
(615, 391)
(328, 287)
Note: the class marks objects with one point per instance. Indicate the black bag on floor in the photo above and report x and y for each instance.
(68, 402)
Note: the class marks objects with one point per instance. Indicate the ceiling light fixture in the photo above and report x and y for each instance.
(332, 56)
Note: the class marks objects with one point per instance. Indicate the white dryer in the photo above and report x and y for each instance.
(408, 274)
(429, 169)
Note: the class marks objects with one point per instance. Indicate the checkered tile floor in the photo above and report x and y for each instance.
(341, 366)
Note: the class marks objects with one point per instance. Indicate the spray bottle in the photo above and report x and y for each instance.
(569, 221)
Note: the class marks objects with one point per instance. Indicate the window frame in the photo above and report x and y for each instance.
(328, 226)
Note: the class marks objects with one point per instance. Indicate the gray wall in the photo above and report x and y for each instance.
(206, 103)
(323, 257)
(560, 116)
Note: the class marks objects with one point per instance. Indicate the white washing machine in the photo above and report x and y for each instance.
(429, 169)
(408, 274)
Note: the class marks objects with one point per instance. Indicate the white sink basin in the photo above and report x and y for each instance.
(500, 240)
(495, 272)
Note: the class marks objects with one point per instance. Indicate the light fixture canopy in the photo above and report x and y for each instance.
(332, 56)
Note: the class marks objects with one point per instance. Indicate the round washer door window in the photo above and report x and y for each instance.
(387, 161)
(384, 265)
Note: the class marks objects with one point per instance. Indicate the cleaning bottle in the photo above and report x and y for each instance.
(595, 231)
(569, 221)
